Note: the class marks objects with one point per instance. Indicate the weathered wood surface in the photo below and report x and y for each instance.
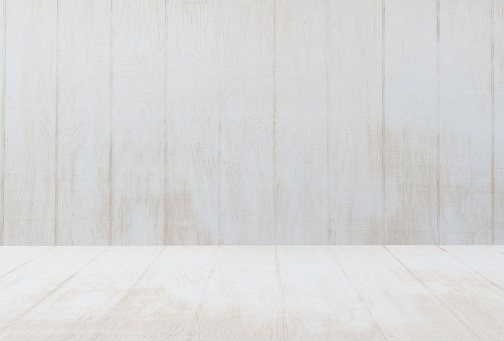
(253, 293)
(288, 122)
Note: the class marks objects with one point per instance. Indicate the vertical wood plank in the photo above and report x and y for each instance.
(138, 122)
(465, 124)
(498, 112)
(301, 122)
(3, 36)
(193, 122)
(30, 119)
(354, 122)
(83, 122)
(245, 48)
(410, 141)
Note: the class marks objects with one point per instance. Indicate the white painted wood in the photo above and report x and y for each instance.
(137, 122)
(30, 121)
(300, 124)
(498, 112)
(410, 122)
(3, 35)
(354, 121)
(164, 298)
(465, 125)
(214, 122)
(83, 122)
(245, 46)
(395, 298)
(242, 300)
(313, 309)
(106, 281)
(14, 257)
(254, 293)
(193, 122)
(26, 288)
(457, 285)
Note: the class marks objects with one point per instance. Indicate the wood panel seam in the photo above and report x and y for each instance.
(46, 296)
(56, 133)
(4, 82)
(438, 114)
(356, 292)
(442, 302)
(492, 108)
(275, 184)
(281, 291)
(165, 102)
(26, 262)
(203, 295)
(470, 267)
(383, 121)
(111, 94)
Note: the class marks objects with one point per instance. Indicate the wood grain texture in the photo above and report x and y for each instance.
(138, 122)
(498, 112)
(354, 122)
(456, 285)
(396, 316)
(242, 277)
(83, 122)
(410, 112)
(245, 46)
(30, 121)
(301, 122)
(20, 293)
(465, 94)
(254, 293)
(313, 311)
(266, 122)
(3, 36)
(193, 122)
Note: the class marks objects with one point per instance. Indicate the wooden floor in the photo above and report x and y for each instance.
(252, 293)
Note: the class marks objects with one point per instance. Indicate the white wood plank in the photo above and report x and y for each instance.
(193, 122)
(23, 290)
(83, 303)
(3, 36)
(243, 277)
(138, 122)
(498, 112)
(301, 122)
(320, 303)
(485, 261)
(398, 303)
(83, 122)
(13, 258)
(164, 300)
(354, 122)
(246, 122)
(465, 125)
(30, 117)
(411, 117)
(458, 287)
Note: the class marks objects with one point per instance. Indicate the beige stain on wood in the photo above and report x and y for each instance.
(498, 111)
(410, 111)
(3, 15)
(190, 122)
(354, 122)
(30, 123)
(466, 132)
(83, 122)
(137, 122)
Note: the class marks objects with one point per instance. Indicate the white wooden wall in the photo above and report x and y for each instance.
(251, 122)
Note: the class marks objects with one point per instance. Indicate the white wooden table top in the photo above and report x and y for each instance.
(252, 293)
